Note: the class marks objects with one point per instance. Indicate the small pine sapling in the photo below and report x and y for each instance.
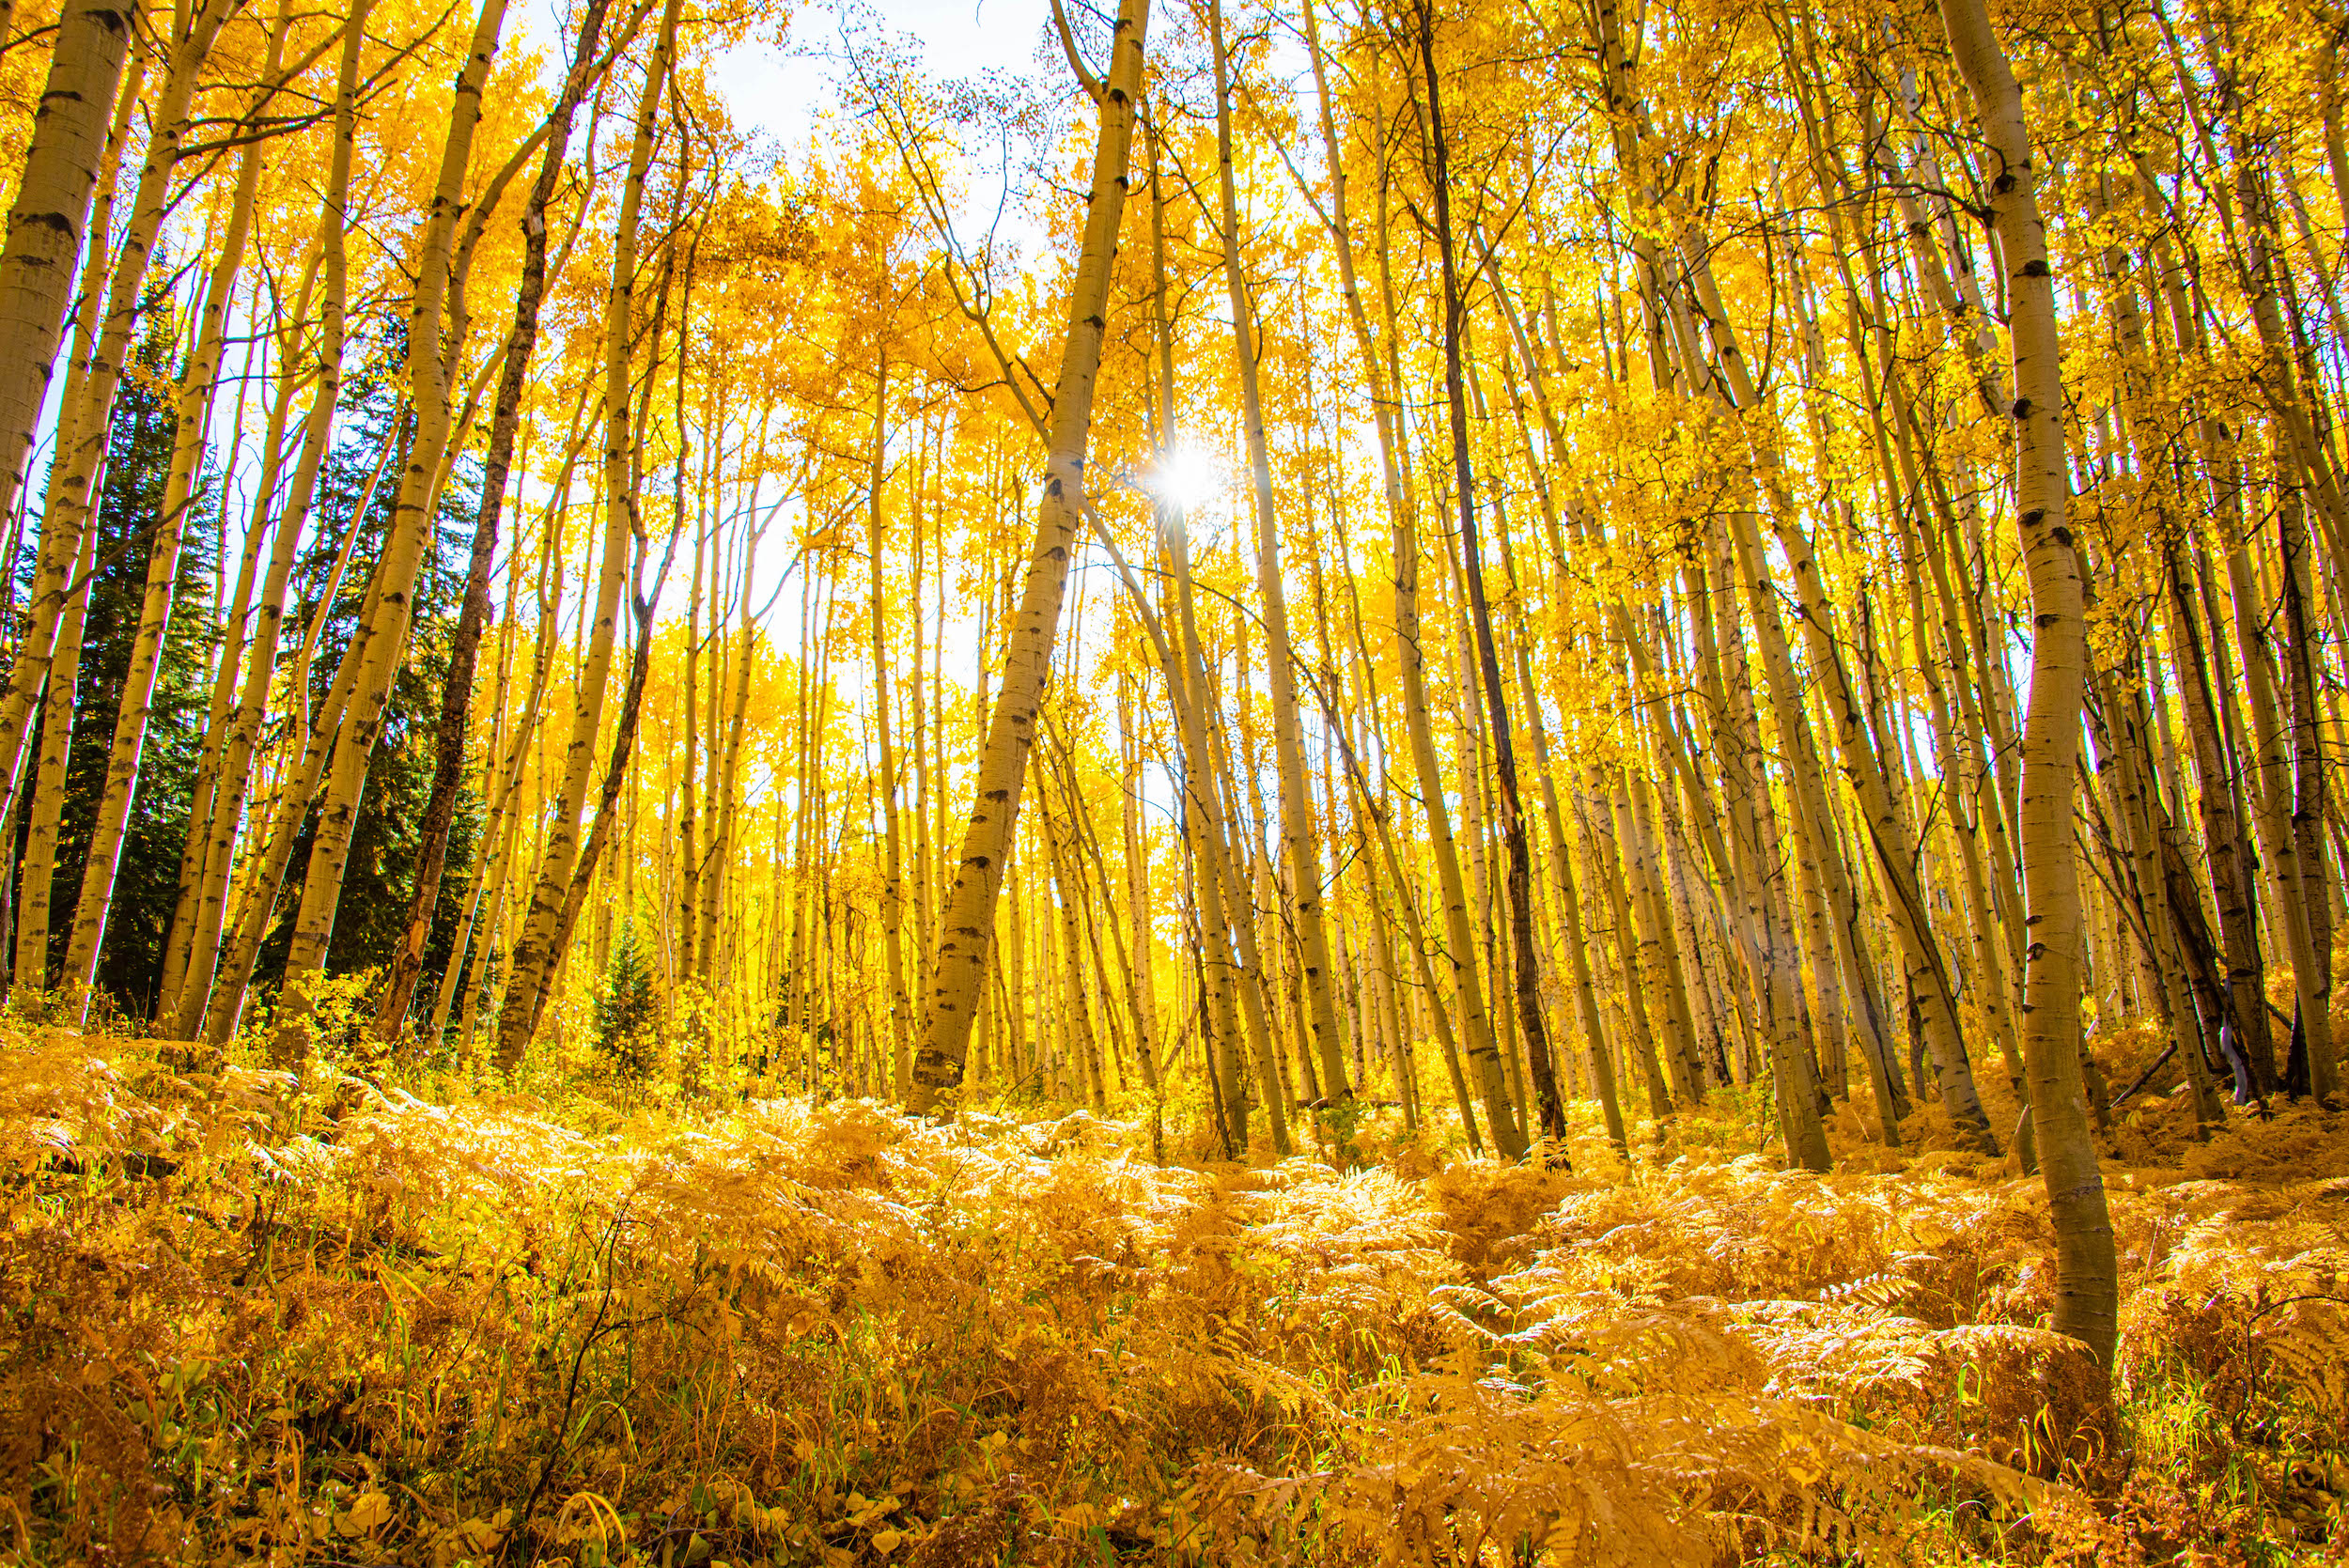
(626, 1007)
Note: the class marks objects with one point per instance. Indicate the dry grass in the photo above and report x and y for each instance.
(248, 1319)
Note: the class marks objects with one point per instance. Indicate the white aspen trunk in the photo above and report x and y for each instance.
(107, 832)
(2087, 1276)
(38, 874)
(1298, 837)
(72, 499)
(967, 923)
(379, 646)
(62, 164)
(893, 909)
(536, 956)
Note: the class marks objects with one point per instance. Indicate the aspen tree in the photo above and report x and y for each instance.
(726, 830)
(1770, 951)
(1382, 372)
(63, 163)
(1132, 965)
(616, 769)
(539, 949)
(2312, 793)
(686, 901)
(1298, 836)
(698, 951)
(1139, 918)
(1483, 1047)
(2266, 767)
(375, 652)
(1889, 832)
(195, 389)
(1595, 1040)
(2087, 1281)
(1826, 877)
(2224, 846)
(197, 841)
(1066, 890)
(196, 26)
(1416, 937)
(37, 871)
(472, 613)
(47, 803)
(893, 872)
(1689, 1068)
(1238, 996)
(471, 939)
(967, 920)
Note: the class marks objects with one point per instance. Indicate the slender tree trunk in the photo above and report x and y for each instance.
(62, 194)
(38, 874)
(1298, 834)
(448, 766)
(539, 952)
(378, 650)
(2087, 1278)
(107, 832)
(967, 923)
(1524, 966)
(893, 909)
(2311, 796)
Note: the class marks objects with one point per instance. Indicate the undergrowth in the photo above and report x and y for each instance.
(246, 1317)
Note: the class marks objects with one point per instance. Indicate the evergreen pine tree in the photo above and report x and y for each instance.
(627, 1007)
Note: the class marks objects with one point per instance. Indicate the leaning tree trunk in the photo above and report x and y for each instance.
(1525, 970)
(376, 649)
(967, 924)
(38, 871)
(110, 828)
(180, 1016)
(37, 265)
(2087, 1276)
(448, 766)
(73, 498)
(539, 949)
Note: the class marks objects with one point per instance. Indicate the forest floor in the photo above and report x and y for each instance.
(250, 1318)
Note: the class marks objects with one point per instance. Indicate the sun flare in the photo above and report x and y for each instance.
(1189, 476)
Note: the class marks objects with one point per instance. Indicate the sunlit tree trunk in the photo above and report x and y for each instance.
(967, 921)
(1572, 933)
(892, 896)
(37, 874)
(2087, 1281)
(294, 371)
(378, 650)
(1300, 840)
(2312, 793)
(497, 469)
(44, 809)
(1380, 369)
(64, 194)
(539, 952)
(103, 858)
(45, 240)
